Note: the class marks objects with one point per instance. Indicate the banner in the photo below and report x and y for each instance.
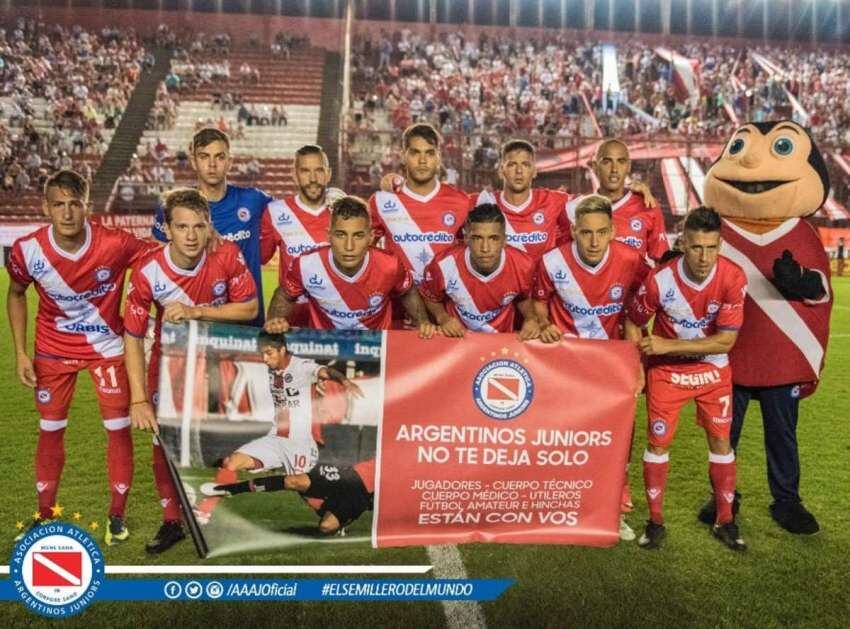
(483, 439)
(488, 439)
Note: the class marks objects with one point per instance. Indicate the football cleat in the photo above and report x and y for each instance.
(33, 525)
(168, 534)
(729, 535)
(627, 534)
(653, 536)
(708, 512)
(116, 530)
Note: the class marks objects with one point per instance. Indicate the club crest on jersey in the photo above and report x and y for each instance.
(284, 219)
(795, 391)
(636, 224)
(375, 300)
(102, 274)
(508, 298)
(538, 218)
(658, 427)
(503, 389)
(449, 219)
(315, 281)
(713, 307)
(219, 288)
(287, 378)
(244, 214)
(43, 396)
(616, 292)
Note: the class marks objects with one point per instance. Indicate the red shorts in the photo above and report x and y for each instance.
(669, 387)
(57, 378)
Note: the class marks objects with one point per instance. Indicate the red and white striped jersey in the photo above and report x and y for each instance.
(79, 293)
(686, 310)
(589, 301)
(483, 303)
(337, 301)
(533, 226)
(416, 228)
(634, 224)
(291, 389)
(293, 228)
(220, 277)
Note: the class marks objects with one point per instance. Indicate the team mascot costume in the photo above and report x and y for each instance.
(769, 177)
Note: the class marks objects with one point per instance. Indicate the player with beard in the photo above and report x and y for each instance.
(299, 223)
(638, 221)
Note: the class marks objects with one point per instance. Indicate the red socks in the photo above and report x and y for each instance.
(49, 461)
(119, 462)
(655, 468)
(722, 471)
(168, 498)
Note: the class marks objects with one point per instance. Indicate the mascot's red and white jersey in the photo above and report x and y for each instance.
(781, 341)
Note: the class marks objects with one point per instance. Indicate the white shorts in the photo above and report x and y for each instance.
(273, 452)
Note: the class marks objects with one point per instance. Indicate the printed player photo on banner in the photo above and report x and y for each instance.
(272, 436)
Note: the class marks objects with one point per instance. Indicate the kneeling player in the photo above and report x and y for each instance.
(479, 286)
(290, 444)
(338, 495)
(698, 303)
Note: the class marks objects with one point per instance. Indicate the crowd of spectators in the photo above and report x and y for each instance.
(61, 88)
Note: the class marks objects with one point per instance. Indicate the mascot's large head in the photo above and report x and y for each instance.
(768, 171)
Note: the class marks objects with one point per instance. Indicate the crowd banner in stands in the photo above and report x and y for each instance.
(482, 439)
(489, 439)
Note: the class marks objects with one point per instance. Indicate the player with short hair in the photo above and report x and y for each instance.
(235, 211)
(339, 495)
(349, 283)
(697, 300)
(78, 270)
(423, 217)
(299, 223)
(479, 286)
(638, 222)
(582, 288)
(183, 281)
(290, 444)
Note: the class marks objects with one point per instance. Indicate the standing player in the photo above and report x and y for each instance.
(638, 222)
(78, 269)
(698, 303)
(339, 495)
(236, 211)
(299, 223)
(184, 282)
(422, 219)
(478, 286)
(348, 283)
(582, 288)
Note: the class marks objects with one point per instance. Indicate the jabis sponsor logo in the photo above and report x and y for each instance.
(78, 326)
(243, 214)
(43, 396)
(219, 288)
(636, 224)
(503, 389)
(538, 218)
(615, 293)
(449, 219)
(102, 274)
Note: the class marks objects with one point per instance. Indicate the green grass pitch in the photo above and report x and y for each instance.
(693, 581)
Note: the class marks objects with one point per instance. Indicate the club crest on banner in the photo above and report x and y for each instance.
(503, 389)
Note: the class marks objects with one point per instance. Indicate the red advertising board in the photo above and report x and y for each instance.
(488, 439)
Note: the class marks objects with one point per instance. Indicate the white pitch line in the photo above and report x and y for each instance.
(55, 567)
(449, 565)
(231, 569)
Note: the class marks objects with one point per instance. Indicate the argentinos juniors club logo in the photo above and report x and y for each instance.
(57, 570)
(503, 389)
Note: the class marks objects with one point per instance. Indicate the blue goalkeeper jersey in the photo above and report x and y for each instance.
(237, 218)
